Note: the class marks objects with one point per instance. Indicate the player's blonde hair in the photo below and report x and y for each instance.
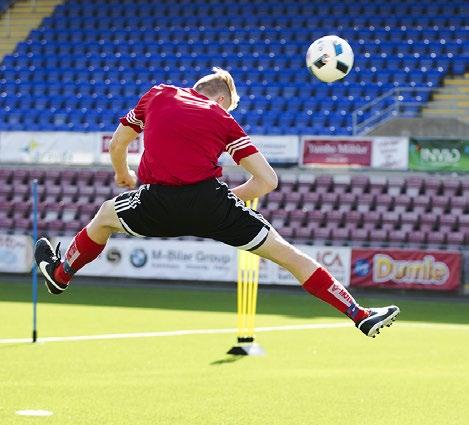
(220, 82)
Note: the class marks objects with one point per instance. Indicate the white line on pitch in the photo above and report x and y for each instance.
(172, 333)
(445, 326)
(34, 412)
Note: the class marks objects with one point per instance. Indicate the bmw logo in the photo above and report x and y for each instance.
(138, 257)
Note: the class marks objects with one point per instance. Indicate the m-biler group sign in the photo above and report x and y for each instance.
(406, 269)
(198, 261)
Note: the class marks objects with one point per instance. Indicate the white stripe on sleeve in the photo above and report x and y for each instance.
(230, 145)
(131, 118)
(241, 146)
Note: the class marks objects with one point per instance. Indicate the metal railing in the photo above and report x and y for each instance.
(392, 104)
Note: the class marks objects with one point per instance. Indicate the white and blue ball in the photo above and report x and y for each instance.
(329, 58)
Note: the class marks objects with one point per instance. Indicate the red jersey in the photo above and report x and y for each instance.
(184, 135)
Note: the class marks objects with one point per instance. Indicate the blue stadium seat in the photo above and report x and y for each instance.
(79, 59)
(459, 65)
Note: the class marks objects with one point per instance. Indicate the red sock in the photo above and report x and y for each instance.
(321, 284)
(81, 251)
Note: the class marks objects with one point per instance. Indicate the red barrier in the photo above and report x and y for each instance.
(406, 269)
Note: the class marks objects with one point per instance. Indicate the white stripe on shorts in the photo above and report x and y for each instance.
(121, 201)
(241, 205)
(129, 230)
(122, 206)
(256, 241)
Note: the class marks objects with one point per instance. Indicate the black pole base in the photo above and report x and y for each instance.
(246, 350)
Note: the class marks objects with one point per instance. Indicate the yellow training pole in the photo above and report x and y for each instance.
(253, 266)
(255, 283)
(249, 293)
(240, 295)
(247, 287)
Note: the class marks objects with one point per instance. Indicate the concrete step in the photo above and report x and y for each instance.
(452, 96)
(17, 34)
(446, 112)
(19, 8)
(23, 26)
(4, 46)
(31, 12)
(37, 6)
(38, 3)
(23, 17)
(454, 90)
(457, 82)
(446, 105)
(451, 89)
(19, 21)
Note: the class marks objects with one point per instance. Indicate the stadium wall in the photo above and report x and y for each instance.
(423, 127)
(428, 270)
(380, 153)
(219, 262)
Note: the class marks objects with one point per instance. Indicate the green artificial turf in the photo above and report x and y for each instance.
(410, 374)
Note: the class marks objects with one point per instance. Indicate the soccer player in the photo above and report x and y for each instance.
(186, 130)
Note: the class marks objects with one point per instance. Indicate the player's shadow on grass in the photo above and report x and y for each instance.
(289, 303)
(226, 360)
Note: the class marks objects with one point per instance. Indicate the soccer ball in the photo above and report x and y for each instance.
(329, 58)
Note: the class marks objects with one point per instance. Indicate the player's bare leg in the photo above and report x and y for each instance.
(104, 224)
(316, 280)
(84, 248)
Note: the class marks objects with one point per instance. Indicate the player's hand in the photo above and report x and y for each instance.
(128, 180)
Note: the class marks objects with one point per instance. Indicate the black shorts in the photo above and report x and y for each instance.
(207, 209)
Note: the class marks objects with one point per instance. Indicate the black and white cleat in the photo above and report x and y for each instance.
(378, 318)
(47, 260)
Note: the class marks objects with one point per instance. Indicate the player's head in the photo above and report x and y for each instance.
(219, 87)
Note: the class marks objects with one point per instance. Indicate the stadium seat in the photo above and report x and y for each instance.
(63, 58)
(308, 207)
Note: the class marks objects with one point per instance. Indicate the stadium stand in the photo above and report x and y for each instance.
(88, 62)
(358, 209)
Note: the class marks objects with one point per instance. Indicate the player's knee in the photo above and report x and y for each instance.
(106, 215)
(287, 254)
(278, 249)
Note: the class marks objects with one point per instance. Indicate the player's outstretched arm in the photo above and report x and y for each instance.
(121, 139)
(264, 178)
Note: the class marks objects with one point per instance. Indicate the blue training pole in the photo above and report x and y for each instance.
(34, 269)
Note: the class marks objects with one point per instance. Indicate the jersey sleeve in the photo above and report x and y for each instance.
(135, 118)
(239, 144)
